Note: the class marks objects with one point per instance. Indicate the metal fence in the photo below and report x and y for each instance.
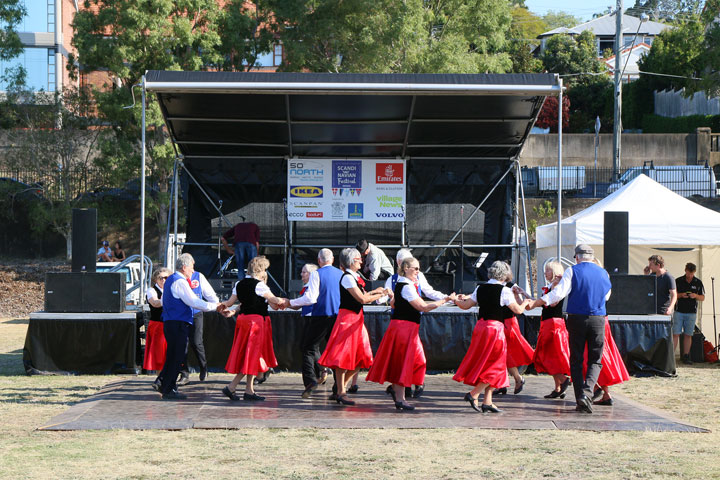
(54, 185)
(579, 181)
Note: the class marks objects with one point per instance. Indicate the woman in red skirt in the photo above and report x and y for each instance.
(252, 350)
(155, 344)
(400, 358)
(613, 370)
(485, 364)
(348, 348)
(552, 354)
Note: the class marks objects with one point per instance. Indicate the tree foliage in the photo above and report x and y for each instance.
(672, 11)
(709, 61)
(548, 117)
(572, 55)
(246, 31)
(386, 36)
(526, 27)
(559, 19)
(11, 14)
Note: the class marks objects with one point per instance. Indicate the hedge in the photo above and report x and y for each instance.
(657, 124)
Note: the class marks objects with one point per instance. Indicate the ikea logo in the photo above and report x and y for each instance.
(306, 191)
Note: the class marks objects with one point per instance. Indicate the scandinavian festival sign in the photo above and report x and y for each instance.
(346, 190)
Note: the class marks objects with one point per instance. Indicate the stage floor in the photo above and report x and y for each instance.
(133, 405)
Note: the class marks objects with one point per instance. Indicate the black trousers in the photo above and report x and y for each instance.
(317, 329)
(585, 330)
(176, 336)
(195, 341)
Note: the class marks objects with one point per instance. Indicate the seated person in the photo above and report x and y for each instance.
(118, 253)
(105, 254)
(376, 265)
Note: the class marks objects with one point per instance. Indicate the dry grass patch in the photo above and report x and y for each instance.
(27, 402)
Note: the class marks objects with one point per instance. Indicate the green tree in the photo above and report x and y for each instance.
(11, 14)
(387, 36)
(673, 11)
(574, 56)
(63, 150)
(560, 19)
(126, 38)
(246, 31)
(709, 61)
(526, 27)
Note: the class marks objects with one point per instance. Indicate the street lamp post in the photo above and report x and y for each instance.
(617, 124)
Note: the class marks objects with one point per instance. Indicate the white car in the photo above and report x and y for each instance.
(132, 277)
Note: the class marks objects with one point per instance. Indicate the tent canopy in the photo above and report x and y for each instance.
(656, 214)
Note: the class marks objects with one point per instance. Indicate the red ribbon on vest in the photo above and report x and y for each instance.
(360, 282)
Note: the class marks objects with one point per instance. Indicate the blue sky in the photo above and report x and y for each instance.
(582, 9)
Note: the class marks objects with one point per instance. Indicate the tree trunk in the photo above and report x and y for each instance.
(68, 246)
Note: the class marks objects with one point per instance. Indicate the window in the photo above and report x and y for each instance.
(277, 60)
(40, 16)
(39, 64)
(270, 59)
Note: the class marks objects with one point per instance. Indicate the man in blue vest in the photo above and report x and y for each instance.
(202, 289)
(587, 287)
(323, 293)
(178, 302)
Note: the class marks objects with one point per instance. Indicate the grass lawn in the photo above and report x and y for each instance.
(28, 402)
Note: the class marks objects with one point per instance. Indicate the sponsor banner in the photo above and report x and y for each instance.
(346, 190)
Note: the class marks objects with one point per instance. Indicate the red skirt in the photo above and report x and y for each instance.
(247, 355)
(400, 358)
(155, 346)
(348, 347)
(486, 359)
(268, 350)
(613, 369)
(519, 351)
(552, 354)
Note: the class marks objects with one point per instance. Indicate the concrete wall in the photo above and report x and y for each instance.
(579, 149)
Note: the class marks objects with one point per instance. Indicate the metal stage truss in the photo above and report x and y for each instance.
(234, 132)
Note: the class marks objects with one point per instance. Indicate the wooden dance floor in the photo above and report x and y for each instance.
(132, 404)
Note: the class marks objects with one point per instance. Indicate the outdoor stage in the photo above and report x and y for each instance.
(133, 405)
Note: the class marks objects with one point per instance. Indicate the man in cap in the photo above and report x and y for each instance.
(105, 254)
(587, 288)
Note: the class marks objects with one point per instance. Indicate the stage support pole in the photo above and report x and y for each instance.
(286, 257)
(462, 247)
(142, 200)
(169, 215)
(559, 174)
(527, 239)
(516, 230)
(202, 190)
(175, 214)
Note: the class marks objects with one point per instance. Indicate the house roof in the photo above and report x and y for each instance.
(605, 26)
(635, 53)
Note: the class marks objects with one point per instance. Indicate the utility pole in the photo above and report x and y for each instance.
(617, 127)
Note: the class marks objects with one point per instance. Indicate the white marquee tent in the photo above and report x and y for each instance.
(660, 222)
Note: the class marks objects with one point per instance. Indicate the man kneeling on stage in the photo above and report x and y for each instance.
(178, 302)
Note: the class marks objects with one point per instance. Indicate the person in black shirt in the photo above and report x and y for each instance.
(690, 290)
(666, 290)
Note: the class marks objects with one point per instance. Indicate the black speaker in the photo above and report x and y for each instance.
(442, 282)
(85, 292)
(632, 295)
(615, 239)
(84, 239)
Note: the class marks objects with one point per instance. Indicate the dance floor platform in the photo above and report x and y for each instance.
(133, 405)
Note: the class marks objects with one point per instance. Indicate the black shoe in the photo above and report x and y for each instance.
(156, 384)
(231, 395)
(261, 379)
(391, 391)
(253, 397)
(519, 388)
(333, 397)
(490, 408)
(408, 392)
(553, 394)
(686, 360)
(584, 404)
(597, 394)
(184, 378)
(203, 373)
(173, 395)
(309, 389)
(564, 385)
(403, 406)
(472, 401)
(343, 400)
(607, 402)
(353, 389)
(419, 389)
(500, 391)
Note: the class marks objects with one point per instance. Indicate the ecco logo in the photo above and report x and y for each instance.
(296, 215)
(306, 192)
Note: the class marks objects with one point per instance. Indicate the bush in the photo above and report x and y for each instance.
(656, 124)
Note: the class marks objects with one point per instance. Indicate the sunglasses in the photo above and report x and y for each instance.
(163, 278)
(413, 268)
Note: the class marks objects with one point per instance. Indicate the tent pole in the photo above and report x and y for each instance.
(142, 200)
(527, 240)
(286, 257)
(169, 215)
(175, 214)
(516, 232)
(559, 174)
(477, 209)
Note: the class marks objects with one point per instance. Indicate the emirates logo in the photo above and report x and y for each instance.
(389, 170)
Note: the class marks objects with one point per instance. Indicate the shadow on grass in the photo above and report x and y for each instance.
(11, 363)
(45, 396)
(17, 321)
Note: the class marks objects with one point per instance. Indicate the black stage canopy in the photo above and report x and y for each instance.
(460, 133)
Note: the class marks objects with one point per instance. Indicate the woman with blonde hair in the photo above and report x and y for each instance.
(155, 344)
(552, 353)
(252, 350)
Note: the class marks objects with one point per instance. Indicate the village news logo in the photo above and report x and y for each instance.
(306, 192)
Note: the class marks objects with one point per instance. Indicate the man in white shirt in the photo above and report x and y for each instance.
(376, 265)
(104, 254)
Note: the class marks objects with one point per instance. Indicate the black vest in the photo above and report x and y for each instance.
(250, 302)
(156, 312)
(347, 301)
(403, 309)
(488, 298)
(552, 312)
